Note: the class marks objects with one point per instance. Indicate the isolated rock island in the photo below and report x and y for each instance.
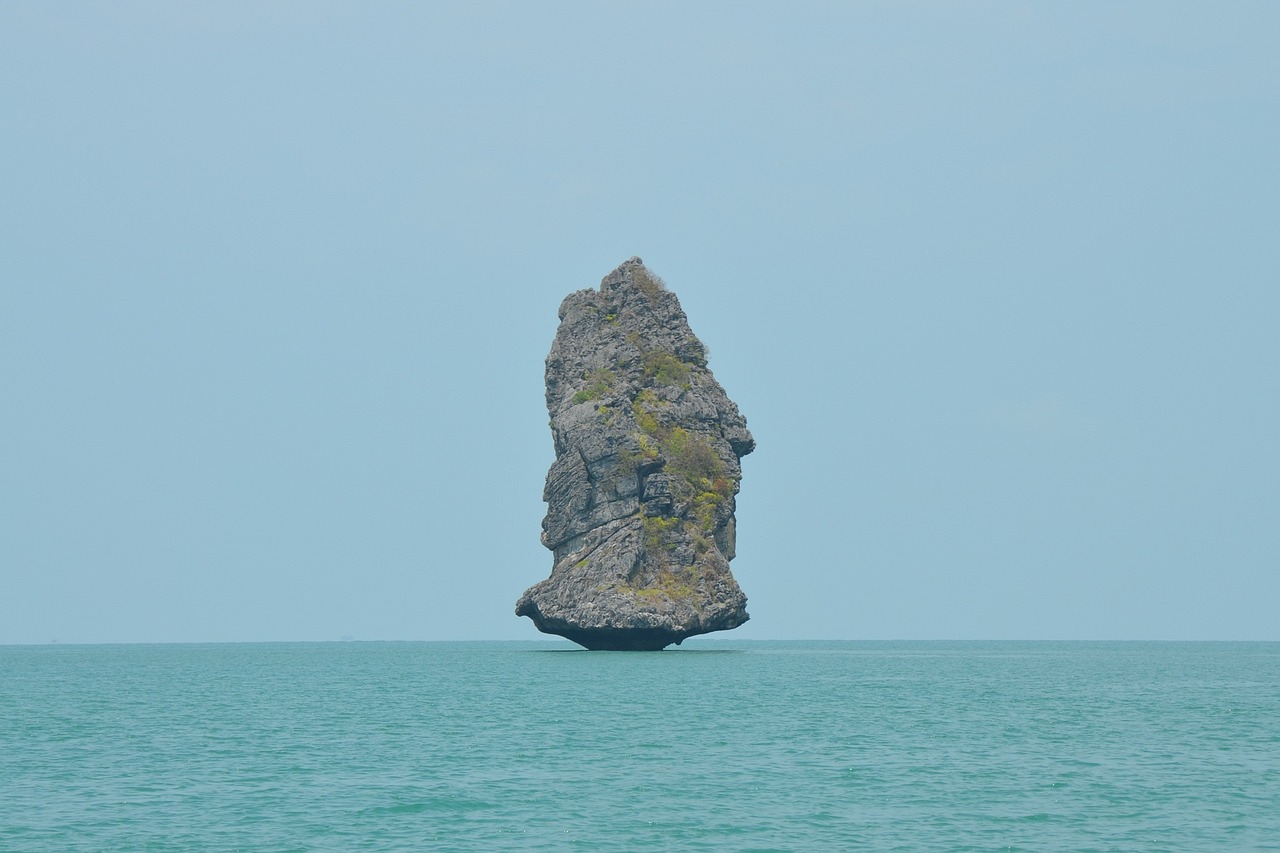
(640, 499)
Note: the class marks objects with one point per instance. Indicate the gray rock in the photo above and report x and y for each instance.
(640, 499)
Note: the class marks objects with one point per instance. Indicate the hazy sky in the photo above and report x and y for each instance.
(994, 284)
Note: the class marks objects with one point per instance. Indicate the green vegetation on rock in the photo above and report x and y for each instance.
(651, 284)
(655, 532)
(665, 369)
(667, 585)
(601, 384)
(698, 474)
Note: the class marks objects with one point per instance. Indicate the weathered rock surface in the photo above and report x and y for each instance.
(640, 499)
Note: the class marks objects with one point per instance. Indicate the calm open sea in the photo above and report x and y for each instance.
(721, 745)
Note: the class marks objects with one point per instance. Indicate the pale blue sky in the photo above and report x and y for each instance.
(994, 284)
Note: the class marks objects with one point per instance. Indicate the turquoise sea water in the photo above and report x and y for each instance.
(721, 745)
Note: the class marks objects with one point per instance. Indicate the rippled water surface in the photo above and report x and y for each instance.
(723, 745)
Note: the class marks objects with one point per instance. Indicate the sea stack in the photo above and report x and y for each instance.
(640, 499)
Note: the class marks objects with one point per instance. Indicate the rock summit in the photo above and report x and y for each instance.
(640, 499)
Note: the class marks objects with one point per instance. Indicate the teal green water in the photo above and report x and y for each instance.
(720, 746)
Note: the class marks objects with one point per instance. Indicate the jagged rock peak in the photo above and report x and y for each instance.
(641, 497)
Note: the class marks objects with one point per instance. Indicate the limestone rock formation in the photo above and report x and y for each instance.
(640, 499)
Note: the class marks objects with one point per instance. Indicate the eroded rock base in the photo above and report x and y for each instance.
(623, 640)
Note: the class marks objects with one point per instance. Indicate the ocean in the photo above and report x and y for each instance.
(718, 745)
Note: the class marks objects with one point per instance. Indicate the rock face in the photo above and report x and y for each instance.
(640, 499)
